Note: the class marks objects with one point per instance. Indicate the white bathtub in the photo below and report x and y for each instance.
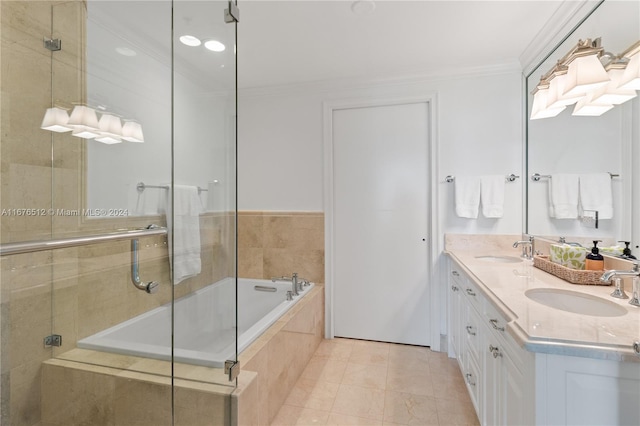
(204, 328)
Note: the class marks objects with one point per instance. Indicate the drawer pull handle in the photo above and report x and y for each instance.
(469, 376)
(470, 330)
(470, 292)
(495, 351)
(454, 288)
(494, 324)
(636, 347)
(455, 273)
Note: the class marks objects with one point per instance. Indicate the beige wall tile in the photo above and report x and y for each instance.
(152, 409)
(250, 231)
(251, 262)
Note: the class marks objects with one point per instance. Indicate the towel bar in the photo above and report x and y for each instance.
(141, 186)
(510, 178)
(537, 176)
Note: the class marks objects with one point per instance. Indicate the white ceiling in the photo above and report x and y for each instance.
(288, 42)
(285, 42)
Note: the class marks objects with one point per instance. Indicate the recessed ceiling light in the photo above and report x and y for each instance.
(190, 40)
(363, 7)
(214, 45)
(125, 51)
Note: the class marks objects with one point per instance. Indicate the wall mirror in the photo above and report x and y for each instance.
(569, 144)
(132, 74)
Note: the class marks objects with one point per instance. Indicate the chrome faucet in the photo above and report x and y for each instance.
(527, 247)
(617, 277)
(295, 285)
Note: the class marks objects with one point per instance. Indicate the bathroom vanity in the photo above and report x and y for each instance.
(525, 362)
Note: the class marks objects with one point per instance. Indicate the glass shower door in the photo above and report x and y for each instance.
(154, 148)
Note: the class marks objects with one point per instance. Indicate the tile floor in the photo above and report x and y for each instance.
(357, 382)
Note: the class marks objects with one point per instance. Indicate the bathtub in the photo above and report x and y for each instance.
(204, 328)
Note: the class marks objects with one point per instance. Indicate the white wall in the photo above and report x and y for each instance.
(479, 127)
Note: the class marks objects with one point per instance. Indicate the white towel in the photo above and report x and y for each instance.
(184, 237)
(563, 196)
(467, 196)
(492, 195)
(596, 194)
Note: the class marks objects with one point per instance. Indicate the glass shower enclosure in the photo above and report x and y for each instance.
(118, 212)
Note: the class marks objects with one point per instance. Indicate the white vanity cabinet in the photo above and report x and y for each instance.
(497, 372)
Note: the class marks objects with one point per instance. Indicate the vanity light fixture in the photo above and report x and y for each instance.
(84, 122)
(580, 78)
(110, 129)
(630, 80)
(55, 120)
(132, 132)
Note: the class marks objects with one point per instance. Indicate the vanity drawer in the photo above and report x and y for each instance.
(472, 294)
(471, 333)
(473, 381)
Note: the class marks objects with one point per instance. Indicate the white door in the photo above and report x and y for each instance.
(380, 216)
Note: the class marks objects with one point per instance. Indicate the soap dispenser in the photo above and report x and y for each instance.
(594, 260)
(626, 253)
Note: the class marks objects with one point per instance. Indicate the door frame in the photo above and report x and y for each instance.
(433, 249)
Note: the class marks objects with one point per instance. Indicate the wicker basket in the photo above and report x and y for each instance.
(573, 276)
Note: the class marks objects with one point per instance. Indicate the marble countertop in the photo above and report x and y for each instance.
(539, 328)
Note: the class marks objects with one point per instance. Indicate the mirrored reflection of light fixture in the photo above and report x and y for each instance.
(589, 107)
(580, 77)
(539, 108)
(630, 80)
(190, 40)
(84, 122)
(132, 132)
(110, 129)
(55, 120)
(612, 93)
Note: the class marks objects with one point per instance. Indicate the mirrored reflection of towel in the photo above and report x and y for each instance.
(183, 223)
(467, 196)
(492, 195)
(563, 196)
(596, 194)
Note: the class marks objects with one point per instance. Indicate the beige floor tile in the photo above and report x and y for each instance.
(409, 355)
(410, 409)
(450, 386)
(336, 419)
(359, 402)
(335, 349)
(290, 416)
(415, 381)
(452, 412)
(368, 376)
(314, 394)
(366, 352)
(325, 369)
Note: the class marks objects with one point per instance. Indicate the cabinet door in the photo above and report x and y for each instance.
(455, 315)
(516, 402)
(493, 381)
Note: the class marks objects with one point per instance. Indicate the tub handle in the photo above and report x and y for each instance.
(265, 288)
(150, 287)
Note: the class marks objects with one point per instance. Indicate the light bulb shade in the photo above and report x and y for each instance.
(84, 132)
(132, 132)
(108, 138)
(539, 108)
(585, 74)
(587, 107)
(630, 80)
(611, 93)
(55, 120)
(556, 97)
(83, 116)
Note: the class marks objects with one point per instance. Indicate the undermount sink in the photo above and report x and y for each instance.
(500, 259)
(573, 301)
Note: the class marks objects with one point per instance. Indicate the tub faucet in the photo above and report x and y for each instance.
(294, 282)
(619, 290)
(527, 247)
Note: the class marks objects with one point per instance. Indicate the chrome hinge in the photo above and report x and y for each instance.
(53, 44)
(232, 368)
(53, 340)
(232, 14)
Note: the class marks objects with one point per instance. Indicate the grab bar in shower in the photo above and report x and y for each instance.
(34, 246)
(537, 176)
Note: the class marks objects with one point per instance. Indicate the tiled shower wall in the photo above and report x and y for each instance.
(272, 244)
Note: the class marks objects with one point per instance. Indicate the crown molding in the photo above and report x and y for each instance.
(354, 83)
(566, 17)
